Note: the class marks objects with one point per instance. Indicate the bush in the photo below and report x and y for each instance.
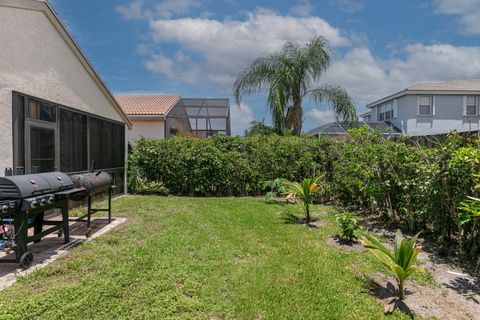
(348, 225)
(225, 166)
(413, 187)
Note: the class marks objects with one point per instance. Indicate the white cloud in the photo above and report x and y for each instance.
(467, 11)
(348, 5)
(225, 47)
(240, 118)
(303, 9)
(368, 78)
(151, 9)
(319, 117)
(133, 11)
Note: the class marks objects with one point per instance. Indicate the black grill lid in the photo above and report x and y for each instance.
(57, 181)
(19, 187)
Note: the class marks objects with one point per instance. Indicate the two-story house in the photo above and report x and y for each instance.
(430, 108)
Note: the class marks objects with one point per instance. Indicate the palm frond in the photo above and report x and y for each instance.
(340, 101)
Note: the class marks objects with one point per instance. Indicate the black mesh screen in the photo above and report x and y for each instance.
(107, 144)
(73, 141)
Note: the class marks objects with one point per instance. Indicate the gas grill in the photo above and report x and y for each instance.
(23, 202)
(25, 198)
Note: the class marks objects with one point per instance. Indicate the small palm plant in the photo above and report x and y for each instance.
(304, 191)
(402, 261)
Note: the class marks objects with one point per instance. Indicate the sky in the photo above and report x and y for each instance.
(196, 48)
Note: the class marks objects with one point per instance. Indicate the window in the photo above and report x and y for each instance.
(42, 149)
(19, 134)
(471, 108)
(425, 105)
(386, 111)
(73, 141)
(41, 111)
(107, 144)
(50, 137)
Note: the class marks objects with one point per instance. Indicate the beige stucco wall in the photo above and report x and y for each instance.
(152, 129)
(36, 60)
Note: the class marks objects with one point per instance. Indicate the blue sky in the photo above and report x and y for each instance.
(197, 47)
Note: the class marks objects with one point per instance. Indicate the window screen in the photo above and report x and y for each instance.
(42, 150)
(73, 141)
(424, 106)
(41, 111)
(19, 134)
(107, 144)
(471, 106)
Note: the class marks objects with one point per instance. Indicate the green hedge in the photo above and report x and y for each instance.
(418, 188)
(226, 166)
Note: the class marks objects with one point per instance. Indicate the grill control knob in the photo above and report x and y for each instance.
(34, 204)
(51, 199)
(43, 202)
(5, 209)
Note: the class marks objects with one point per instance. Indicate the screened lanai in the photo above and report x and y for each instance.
(199, 117)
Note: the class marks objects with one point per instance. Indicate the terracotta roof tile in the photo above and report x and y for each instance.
(149, 104)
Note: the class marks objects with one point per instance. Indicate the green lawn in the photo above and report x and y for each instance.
(198, 258)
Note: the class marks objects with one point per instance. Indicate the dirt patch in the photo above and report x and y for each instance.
(422, 301)
(342, 244)
(317, 223)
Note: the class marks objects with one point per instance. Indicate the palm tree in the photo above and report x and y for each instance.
(304, 190)
(289, 76)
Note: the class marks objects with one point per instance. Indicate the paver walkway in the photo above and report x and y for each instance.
(52, 246)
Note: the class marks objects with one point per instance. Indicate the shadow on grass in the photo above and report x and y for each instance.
(290, 218)
(389, 294)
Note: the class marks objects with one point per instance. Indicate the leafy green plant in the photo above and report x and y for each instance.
(304, 191)
(469, 222)
(348, 224)
(402, 261)
(274, 188)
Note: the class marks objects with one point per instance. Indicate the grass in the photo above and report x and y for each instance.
(198, 258)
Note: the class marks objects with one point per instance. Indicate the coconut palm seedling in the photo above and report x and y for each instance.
(304, 191)
(402, 261)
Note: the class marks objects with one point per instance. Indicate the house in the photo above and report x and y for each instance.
(338, 129)
(161, 116)
(430, 108)
(56, 112)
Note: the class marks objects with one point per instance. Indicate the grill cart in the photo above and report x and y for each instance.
(23, 202)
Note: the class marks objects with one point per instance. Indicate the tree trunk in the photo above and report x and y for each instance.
(400, 289)
(307, 212)
(296, 116)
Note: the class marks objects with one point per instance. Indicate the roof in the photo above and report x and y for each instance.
(148, 104)
(46, 8)
(452, 86)
(340, 128)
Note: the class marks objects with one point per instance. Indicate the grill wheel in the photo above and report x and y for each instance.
(26, 260)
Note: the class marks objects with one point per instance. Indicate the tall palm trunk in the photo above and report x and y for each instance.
(295, 116)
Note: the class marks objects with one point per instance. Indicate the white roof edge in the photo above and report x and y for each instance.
(146, 116)
(431, 92)
(47, 9)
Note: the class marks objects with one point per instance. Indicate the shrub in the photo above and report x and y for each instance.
(402, 261)
(274, 188)
(412, 187)
(348, 225)
(469, 222)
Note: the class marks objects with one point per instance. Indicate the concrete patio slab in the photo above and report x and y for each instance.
(51, 247)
